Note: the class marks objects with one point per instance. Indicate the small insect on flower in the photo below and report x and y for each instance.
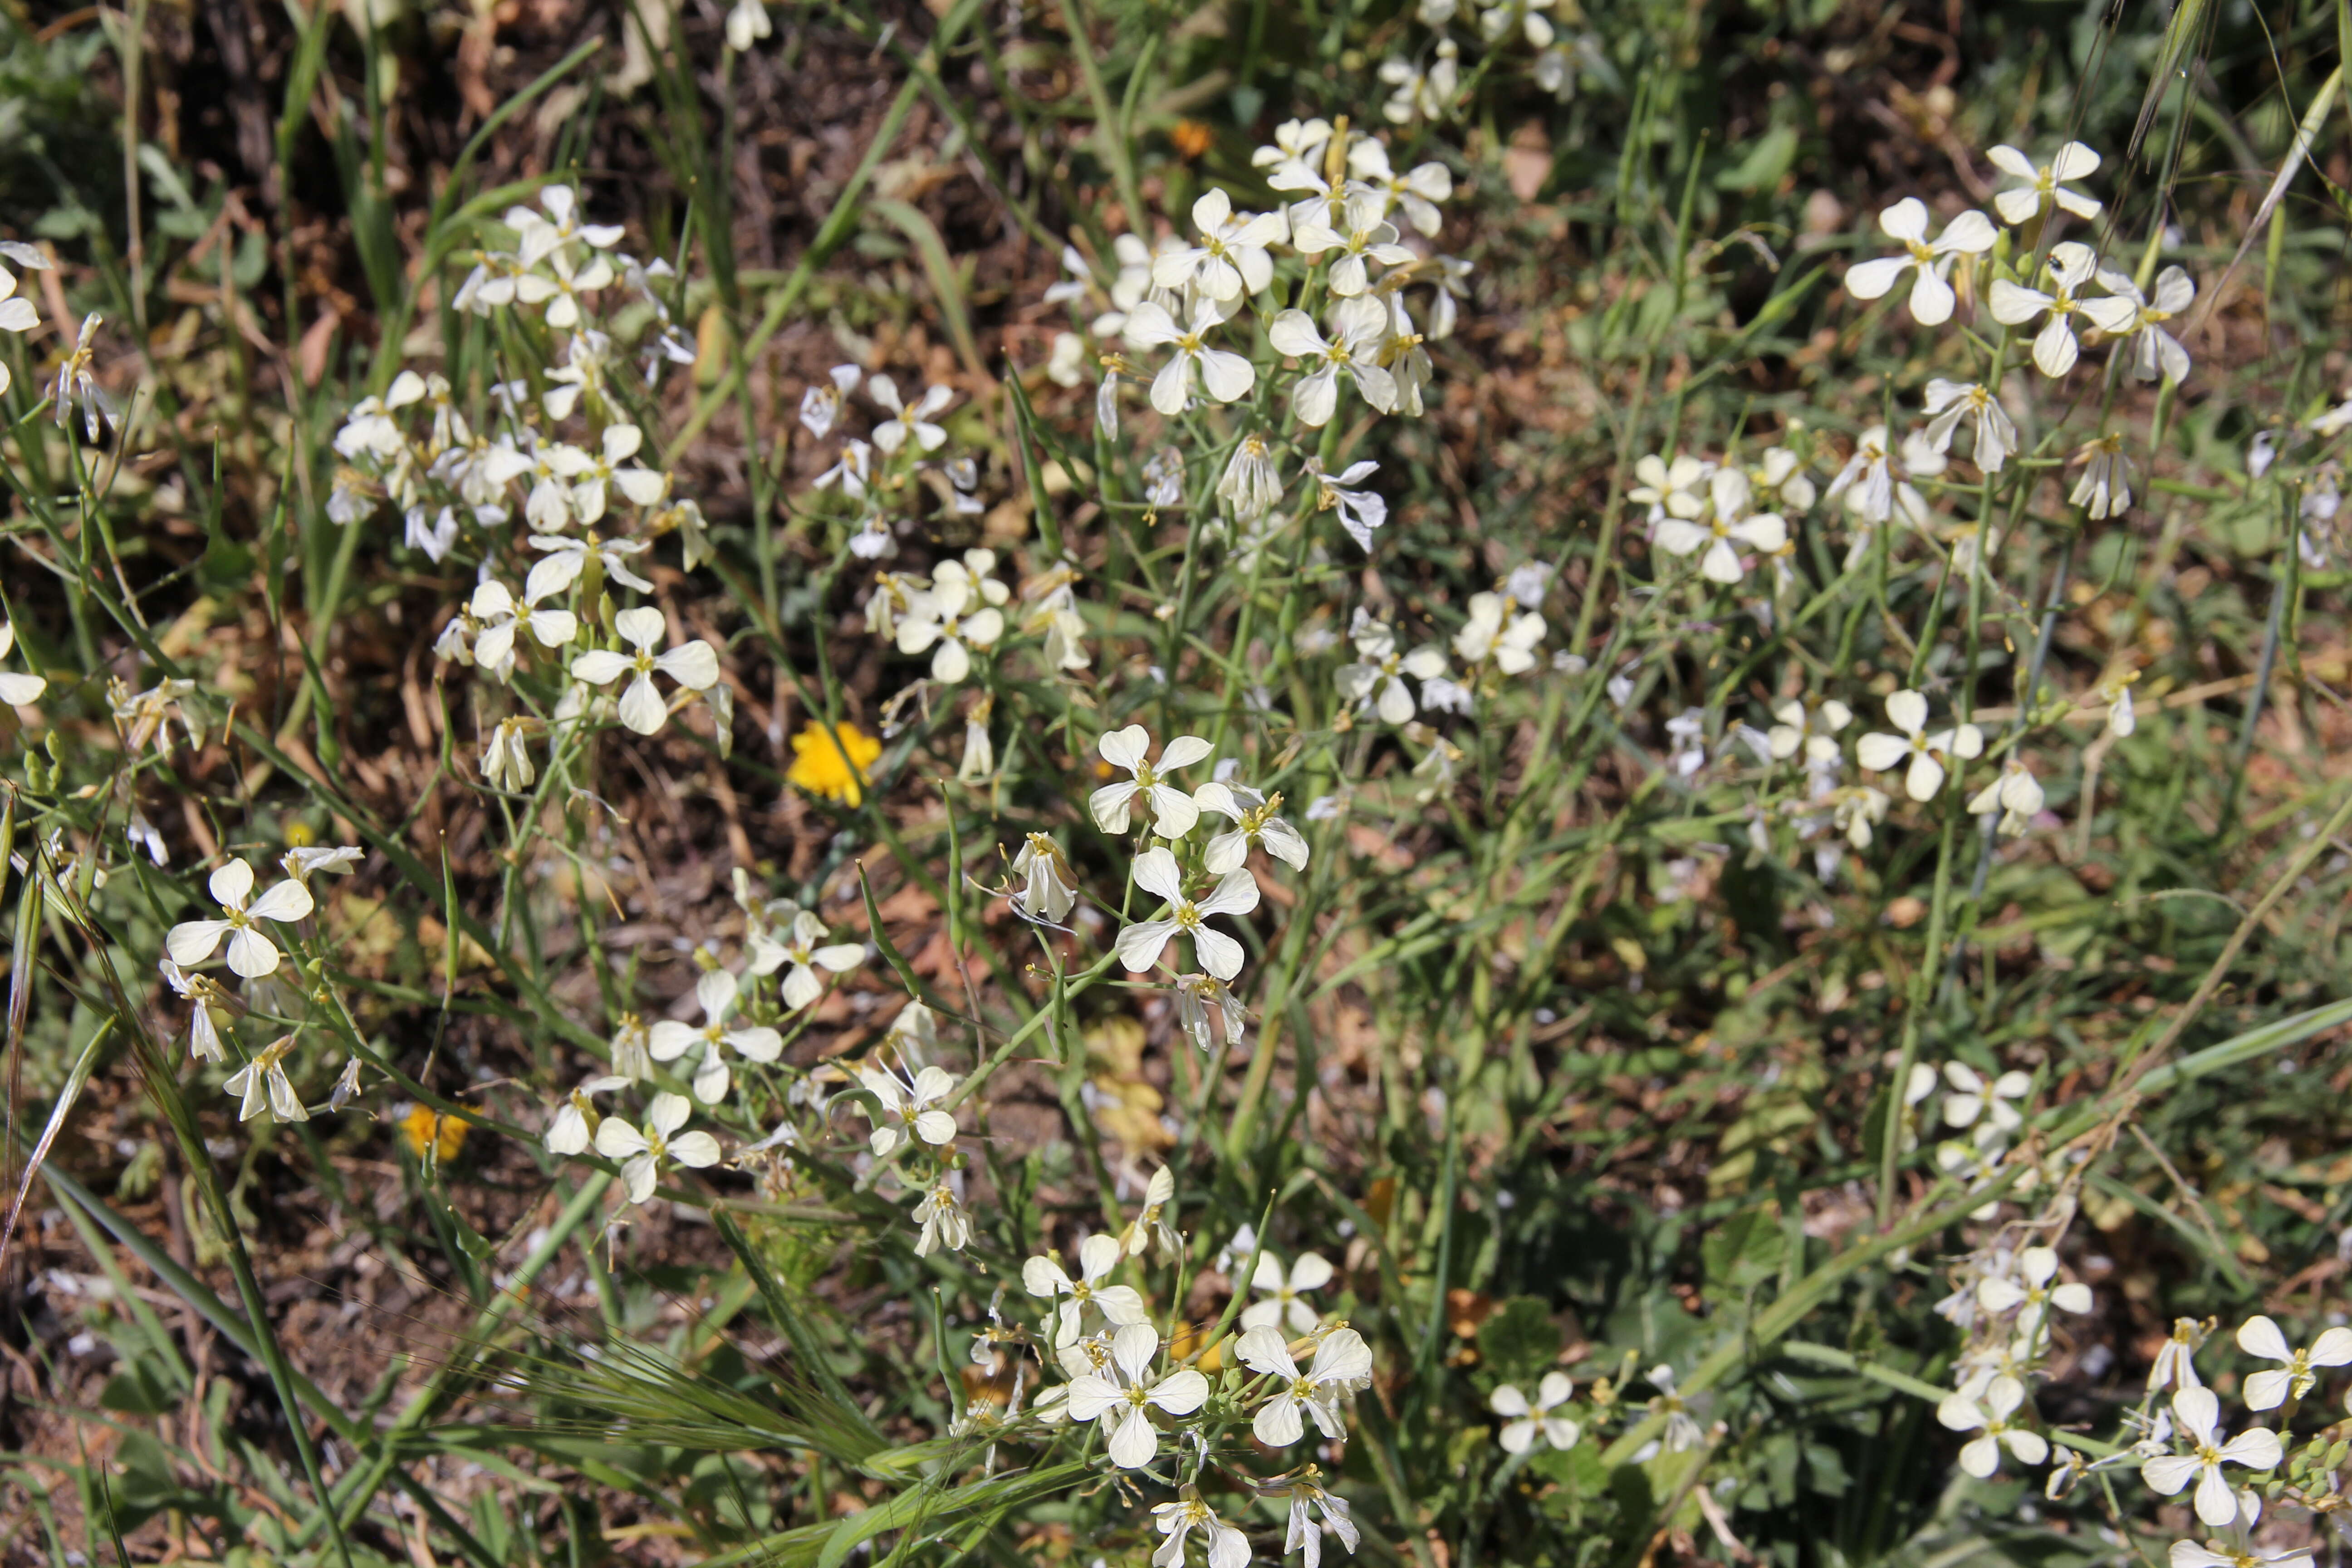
(1523, 1423)
(1342, 1364)
(694, 666)
(1123, 1404)
(833, 767)
(2071, 265)
(250, 954)
(263, 1086)
(642, 1153)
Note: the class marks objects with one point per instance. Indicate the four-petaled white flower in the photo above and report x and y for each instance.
(250, 953)
(1928, 755)
(494, 607)
(2127, 312)
(1149, 1227)
(716, 992)
(1228, 375)
(1304, 1536)
(1122, 1305)
(1972, 1097)
(1358, 331)
(1499, 627)
(1140, 944)
(1172, 811)
(1727, 522)
(1228, 1547)
(1343, 1363)
(2071, 265)
(955, 614)
(909, 1108)
(2105, 491)
(944, 1220)
(2189, 1554)
(1906, 222)
(2260, 1336)
(1377, 680)
(1814, 730)
(1282, 1296)
(1257, 820)
(567, 558)
(693, 665)
(1199, 994)
(262, 1085)
(1231, 259)
(572, 1128)
(2198, 1414)
(893, 432)
(1950, 401)
(2037, 1266)
(1368, 236)
(641, 1153)
(2015, 794)
(803, 945)
(1523, 1423)
(1361, 511)
(2045, 184)
(1989, 1415)
(1123, 1404)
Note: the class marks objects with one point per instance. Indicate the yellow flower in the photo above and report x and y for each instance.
(424, 1125)
(834, 771)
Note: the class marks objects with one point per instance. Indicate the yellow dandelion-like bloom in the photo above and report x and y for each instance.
(424, 1125)
(830, 769)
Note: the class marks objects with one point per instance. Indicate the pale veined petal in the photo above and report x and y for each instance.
(694, 665)
(1110, 806)
(696, 1148)
(2261, 1336)
(1881, 752)
(637, 1175)
(1278, 1425)
(1140, 944)
(1971, 232)
(1172, 387)
(289, 901)
(231, 883)
(642, 708)
(191, 941)
(2054, 348)
(759, 1043)
(2073, 161)
(2268, 1390)
(599, 667)
(1317, 398)
(1220, 954)
(252, 954)
(1293, 333)
(1181, 1393)
(2013, 304)
(1172, 811)
(1905, 220)
(1125, 748)
(2169, 1473)
(1132, 1440)
(1229, 375)
(1872, 279)
(1264, 1350)
(1721, 563)
(1156, 872)
(1090, 1395)
(1931, 299)
(2017, 205)
(1924, 778)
